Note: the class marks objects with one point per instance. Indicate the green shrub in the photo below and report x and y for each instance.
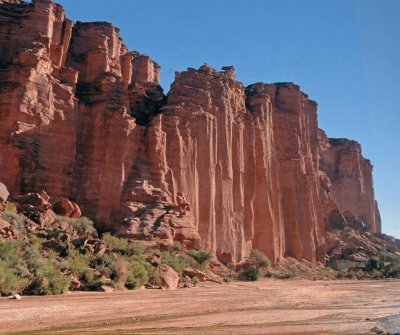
(83, 225)
(77, 263)
(176, 246)
(136, 248)
(8, 206)
(89, 280)
(178, 262)
(201, 256)
(228, 279)
(293, 271)
(355, 273)
(376, 274)
(114, 242)
(16, 220)
(137, 276)
(106, 264)
(9, 252)
(231, 266)
(195, 281)
(48, 280)
(257, 260)
(154, 275)
(250, 274)
(10, 281)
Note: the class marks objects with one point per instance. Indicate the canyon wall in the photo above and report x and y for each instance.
(212, 164)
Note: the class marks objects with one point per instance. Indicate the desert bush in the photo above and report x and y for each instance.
(17, 220)
(10, 281)
(114, 242)
(200, 256)
(252, 274)
(178, 262)
(228, 279)
(136, 248)
(175, 247)
(256, 260)
(48, 280)
(106, 264)
(355, 273)
(195, 281)
(77, 263)
(83, 225)
(293, 271)
(154, 275)
(8, 206)
(123, 246)
(9, 252)
(231, 266)
(137, 276)
(376, 274)
(89, 280)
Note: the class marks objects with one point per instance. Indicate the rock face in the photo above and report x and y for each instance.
(351, 183)
(213, 164)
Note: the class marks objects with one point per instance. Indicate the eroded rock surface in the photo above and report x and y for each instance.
(213, 164)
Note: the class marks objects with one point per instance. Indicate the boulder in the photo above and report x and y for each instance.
(169, 277)
(3, 193)
(65, 207)
(4, 224)
(357, 258)
(37, 201)
(75, 282)
(191, 273)
(41, 217)
(105, 288)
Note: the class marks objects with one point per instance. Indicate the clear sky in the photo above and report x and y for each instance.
(345, 54)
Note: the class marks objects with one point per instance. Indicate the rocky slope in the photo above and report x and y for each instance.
(212, 164)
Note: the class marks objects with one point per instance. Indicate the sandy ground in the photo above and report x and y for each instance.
(264, 307)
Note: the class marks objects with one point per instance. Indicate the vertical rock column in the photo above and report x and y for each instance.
(268, 220)
(37, 104)
(107, 139)
(296, 144)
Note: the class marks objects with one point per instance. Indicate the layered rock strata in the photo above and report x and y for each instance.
(213, 164)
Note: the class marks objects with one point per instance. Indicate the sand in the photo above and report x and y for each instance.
(264, 307)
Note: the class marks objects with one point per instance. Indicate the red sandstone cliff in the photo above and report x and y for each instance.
(351, 189)
(212, 164)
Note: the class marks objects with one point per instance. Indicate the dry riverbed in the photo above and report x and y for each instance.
(263, 307)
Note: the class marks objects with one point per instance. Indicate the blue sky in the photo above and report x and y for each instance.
(345, 54)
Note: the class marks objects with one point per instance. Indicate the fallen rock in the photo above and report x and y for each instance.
(68, 208)
(75, 282)
(79, 242)
(3, 193)
(39, 201)
(169, 277)
(104, 288)
(43, 218)
(191, 273)
(15, 297)
(357, 258)
(4, 224)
